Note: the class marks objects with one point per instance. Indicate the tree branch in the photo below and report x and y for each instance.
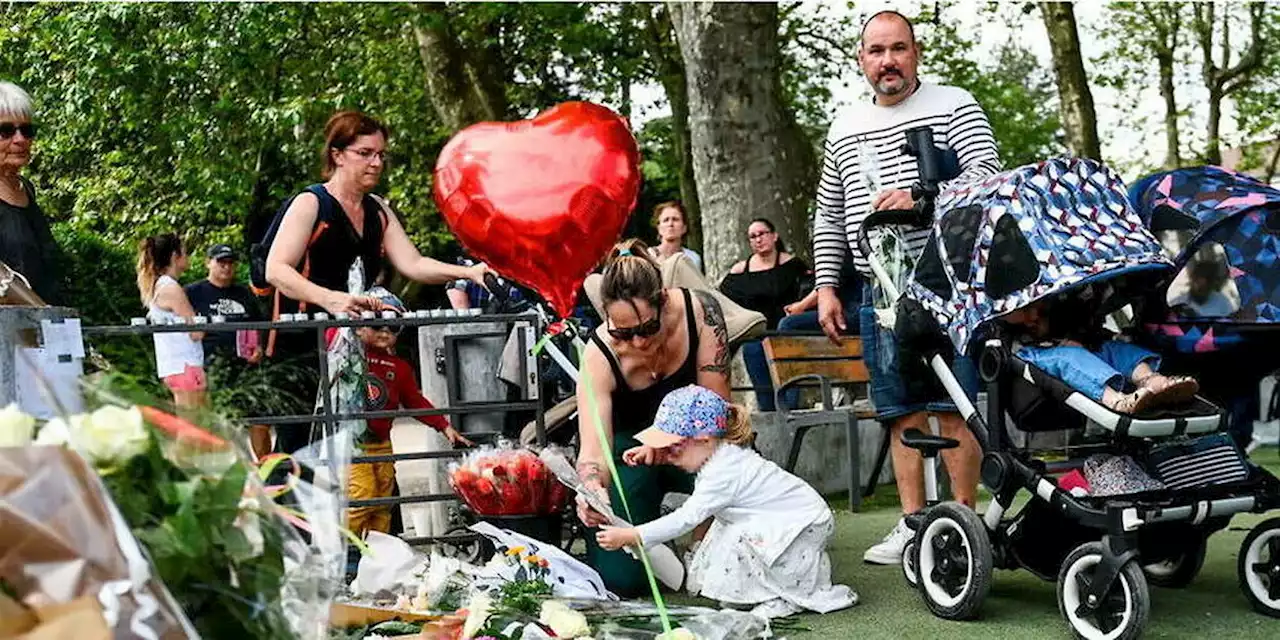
(1252, 57)
(1203, 21)
(806, 33)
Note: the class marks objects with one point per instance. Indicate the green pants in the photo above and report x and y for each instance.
(644, 488)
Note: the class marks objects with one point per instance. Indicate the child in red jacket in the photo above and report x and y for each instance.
(391, 385)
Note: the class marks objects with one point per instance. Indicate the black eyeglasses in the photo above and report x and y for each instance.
(643, 330)
(8, 129)
(395, 331)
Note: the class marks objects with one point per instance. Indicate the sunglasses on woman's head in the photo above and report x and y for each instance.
(8, 129)
(643, 330)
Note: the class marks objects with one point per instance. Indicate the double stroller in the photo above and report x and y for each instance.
(1064, 235)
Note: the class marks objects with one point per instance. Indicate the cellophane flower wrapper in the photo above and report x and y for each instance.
(278, 548)
(316, 565)
(64, 539)
(221, 554)
(504, 480)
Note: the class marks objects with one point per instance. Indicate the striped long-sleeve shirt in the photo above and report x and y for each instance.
(863, 156)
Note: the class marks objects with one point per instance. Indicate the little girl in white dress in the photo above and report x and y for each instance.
(767, 545)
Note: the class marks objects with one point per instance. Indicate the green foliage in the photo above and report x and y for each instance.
(186, 521)
(202, 117)
(1016, 93)
(817, 45)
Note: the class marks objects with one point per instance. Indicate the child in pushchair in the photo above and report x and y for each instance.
(1120, 375)
(1062, 233)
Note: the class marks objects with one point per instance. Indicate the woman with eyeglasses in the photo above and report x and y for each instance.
(768, 281)
(325, 229)
(25, 238)
(652, 342)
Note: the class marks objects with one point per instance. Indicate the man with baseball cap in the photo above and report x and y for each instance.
(228, 353)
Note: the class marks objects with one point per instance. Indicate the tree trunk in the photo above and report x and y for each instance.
(750, 157)
(1269, 173)
(1166, 20)
(459, 86)
(1074, 97)
(1224, 79)
(665, 53)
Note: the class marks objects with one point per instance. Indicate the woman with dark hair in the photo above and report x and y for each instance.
(337, 222)
(672, 225)
(768, 281)
(652, 341)
(179, 356)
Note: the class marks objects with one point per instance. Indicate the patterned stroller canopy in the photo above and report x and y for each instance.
(1048, 229)
(1223, 230)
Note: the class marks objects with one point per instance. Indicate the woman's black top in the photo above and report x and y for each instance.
(767, 291)
(634, 409)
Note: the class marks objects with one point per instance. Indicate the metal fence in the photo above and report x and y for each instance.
(528, 327)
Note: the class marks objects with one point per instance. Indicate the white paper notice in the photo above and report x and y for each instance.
(63, 338)
(38, 375)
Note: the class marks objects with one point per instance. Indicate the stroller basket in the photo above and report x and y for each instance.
(1210, 460)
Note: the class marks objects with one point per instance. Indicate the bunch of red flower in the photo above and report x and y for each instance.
(507, 482)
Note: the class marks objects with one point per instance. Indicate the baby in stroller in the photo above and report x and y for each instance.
(1121, 376)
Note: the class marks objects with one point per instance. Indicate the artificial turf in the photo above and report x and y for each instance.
(1020, 605)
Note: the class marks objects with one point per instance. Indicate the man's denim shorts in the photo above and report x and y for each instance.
(889, 392)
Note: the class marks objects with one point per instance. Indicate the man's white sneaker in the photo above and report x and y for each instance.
(889, 551)
(1253, 445)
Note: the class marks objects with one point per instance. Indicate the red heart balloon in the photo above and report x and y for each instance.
(541, 201)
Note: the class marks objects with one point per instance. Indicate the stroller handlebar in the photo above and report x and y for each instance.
(918, 217)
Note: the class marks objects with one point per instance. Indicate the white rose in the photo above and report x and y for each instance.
(566, 622)
(479, 608)
(16, 427)
(111, 434)
(56, 432)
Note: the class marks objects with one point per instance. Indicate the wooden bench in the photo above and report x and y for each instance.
(813, 361)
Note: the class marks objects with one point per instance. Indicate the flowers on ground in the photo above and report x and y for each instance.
(566, 622)
(16, 427)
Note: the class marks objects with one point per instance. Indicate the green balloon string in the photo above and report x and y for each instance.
(594, 410)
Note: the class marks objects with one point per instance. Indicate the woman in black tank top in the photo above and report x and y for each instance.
(323, 231)
(653, 341)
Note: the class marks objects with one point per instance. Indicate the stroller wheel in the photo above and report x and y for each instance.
(1178, 571)
(952, 561)
(1259, 567)
(1123, 612)
(909, 560)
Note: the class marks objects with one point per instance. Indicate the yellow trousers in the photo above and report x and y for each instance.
(371, 480)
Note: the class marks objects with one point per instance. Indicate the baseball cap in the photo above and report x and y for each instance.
(221, 252)
(687, 412)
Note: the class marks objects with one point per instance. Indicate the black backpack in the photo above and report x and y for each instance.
(259, 251)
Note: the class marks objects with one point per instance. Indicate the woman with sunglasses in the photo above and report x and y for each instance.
(26, 243)
(652, 341)
(323, 231)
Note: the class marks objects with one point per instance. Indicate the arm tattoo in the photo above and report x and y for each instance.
(713, 316)
(590, 472)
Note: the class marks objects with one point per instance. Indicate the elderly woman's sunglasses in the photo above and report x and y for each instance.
(644, 330)
(8, 129)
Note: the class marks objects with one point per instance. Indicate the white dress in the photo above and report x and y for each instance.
(768, 540)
